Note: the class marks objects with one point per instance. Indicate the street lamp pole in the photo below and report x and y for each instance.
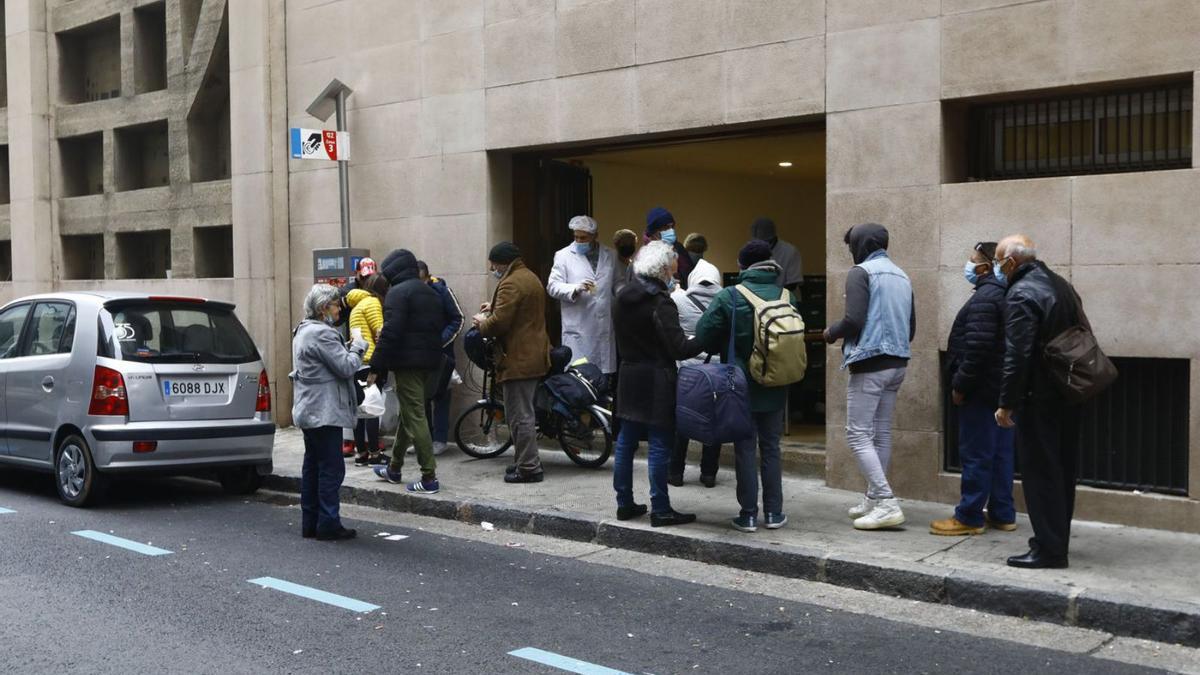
(343, 172)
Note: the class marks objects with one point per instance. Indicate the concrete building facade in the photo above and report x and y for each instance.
(190, 137)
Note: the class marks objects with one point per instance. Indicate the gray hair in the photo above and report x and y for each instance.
(1019, 251)
(654, 260)
(318, 298)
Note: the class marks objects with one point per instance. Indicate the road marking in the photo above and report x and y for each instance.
(315, 594)
(4, 510)
(563, 662)
(134, 546)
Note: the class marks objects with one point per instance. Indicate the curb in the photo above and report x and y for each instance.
(1161, 621)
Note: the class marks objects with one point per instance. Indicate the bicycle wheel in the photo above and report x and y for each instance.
(482, 431)
(586, 441)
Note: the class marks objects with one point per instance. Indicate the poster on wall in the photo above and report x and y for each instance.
(322, 144)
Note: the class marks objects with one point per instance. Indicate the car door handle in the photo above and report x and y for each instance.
(47, 383)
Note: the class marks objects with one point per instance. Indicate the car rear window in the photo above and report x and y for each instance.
(167, 332)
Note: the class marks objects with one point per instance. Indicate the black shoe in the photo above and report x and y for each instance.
(337, 535)
(1036, 560)
(671, 517)
(677, 481)
(518, 477)
(708, 481)
(511, 468)
(631, 512)
(362, 459)
(308, 534)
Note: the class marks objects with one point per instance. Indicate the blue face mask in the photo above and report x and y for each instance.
(583, 249)
(668, 236)
(999, 273)
(671, 285)
(969, 272)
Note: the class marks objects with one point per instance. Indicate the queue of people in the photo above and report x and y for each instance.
(640, 314)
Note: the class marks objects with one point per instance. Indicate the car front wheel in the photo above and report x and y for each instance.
(243, 480)
(75, 473)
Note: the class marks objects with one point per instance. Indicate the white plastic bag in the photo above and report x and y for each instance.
(455, 378)
(372, 405)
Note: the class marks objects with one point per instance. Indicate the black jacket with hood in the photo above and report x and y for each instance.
(1040, 305)
(864, 240)
(413, 318)
(976, 348)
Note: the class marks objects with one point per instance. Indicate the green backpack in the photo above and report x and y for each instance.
(780, 355)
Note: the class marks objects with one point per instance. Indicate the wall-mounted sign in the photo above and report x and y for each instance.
(320, 144)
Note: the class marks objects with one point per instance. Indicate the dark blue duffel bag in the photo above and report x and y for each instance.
(712, 401)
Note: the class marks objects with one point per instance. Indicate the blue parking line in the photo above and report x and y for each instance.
(563, 662)
(315, 594)
(4, 510)
(135, 546)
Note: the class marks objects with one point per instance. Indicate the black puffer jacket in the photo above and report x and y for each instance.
(413, 318)
(976, 347)
(649, 341)
(1040, 305)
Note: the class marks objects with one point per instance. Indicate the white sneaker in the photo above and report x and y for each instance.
(411, 450)
(886, 513)
(439, 448)
(864, 507)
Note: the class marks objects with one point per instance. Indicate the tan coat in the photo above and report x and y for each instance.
(518, 319)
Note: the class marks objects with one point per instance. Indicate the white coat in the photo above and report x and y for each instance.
(703, 285)
(586, 317)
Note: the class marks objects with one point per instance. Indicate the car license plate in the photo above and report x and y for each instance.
(194, 387)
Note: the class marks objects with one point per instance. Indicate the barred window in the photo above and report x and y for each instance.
(1128, 130)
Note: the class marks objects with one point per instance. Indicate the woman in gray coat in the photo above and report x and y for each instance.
(324, 403)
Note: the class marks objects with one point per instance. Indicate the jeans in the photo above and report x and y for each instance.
(760, 454)
(437, 412)
(522, 423)
(410, 389)
(710, 458)
(1049, 435)
(986, 452)
(320, 479)
(660, 441)
(870, 405)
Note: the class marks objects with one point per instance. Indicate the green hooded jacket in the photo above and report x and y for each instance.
(712, 330)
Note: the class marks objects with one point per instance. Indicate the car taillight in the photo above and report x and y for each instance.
(109, 396)
(263, 403)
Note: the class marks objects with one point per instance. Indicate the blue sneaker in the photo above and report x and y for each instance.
(426, 487)
(385, 472)
(774, 521)
(744, 523)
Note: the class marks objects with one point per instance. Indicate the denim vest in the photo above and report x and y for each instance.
(889, 312)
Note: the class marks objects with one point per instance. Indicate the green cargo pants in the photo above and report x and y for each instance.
(410, 389)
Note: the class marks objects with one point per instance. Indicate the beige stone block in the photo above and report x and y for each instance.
(898, 146)
(760, 22)
(1125, 326)
(521, 114)
(598, 36)
(777, 80)
(519, 50)
(836, 378)
(453, 123)
(989, 211)
(381, 237)
(383, 190)
(452, 184)
(467, 256)
(919, 406)
(926, 299)
(909, 214)
(309, 34)
(388, 74)
(1136, 218)
(673, 29)
(960, 6)
(1112, 39)
(452, 63)
(851, 14)
(955, 292)
(378, 23)
(313, 198)
(597, 105)
(248, 34)
(1194, 432)
(568, 5)
(447, 16)
(916, 461)
(305, 81)
(252, 213)
(1006, 49)
(841, 470)
(883, 65)
(386, 132)
(249, 117)
(305, 238)
(495, 11)
(680, 94)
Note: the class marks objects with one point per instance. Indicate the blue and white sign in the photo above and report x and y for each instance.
(320, 144)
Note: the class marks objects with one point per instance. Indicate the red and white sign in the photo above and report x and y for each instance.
(320, 144)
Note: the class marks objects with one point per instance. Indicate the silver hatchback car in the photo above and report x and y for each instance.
(97, 384)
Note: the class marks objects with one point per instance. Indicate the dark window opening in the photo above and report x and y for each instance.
(143, 156)
(83, 256)
(208, 120)
(143, 255)
(81, 162)
(6, 260)
(5, 195)
(150, 48)
(213, 251)
(89, 62)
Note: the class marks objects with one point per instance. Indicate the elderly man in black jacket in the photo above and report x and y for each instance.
(1040, 305)
(410, 346)
(985, 448)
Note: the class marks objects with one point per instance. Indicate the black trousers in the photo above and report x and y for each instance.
(1048, 446)
(710, 459)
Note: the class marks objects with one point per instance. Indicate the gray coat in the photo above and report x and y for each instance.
(322, 376)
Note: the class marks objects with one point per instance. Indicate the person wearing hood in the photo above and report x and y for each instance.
(767, 404)
(582, 281)
(516, 317)
(703, 285)
(410, 347)
(976, 360)
(876, 334)
(791, 275)
(660, 226)
(696, 246)
(650, 342)
(324, 402)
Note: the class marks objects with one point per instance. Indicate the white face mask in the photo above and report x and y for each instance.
(499, 273)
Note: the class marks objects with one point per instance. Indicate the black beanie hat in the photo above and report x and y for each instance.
(763, 228)
(504, 253)
(754, 252)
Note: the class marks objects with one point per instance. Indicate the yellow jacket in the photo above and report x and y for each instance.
(366, 314)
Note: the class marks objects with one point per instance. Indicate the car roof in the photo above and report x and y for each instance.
(103, 297)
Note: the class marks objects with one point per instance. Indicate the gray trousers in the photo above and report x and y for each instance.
(522, 423)
(870, 405)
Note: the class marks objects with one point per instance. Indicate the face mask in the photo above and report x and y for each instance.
(499, 274)
(625, 251)
(671, 284)
(582, 248)
(668, 236)
(999, 273)
(969, 272)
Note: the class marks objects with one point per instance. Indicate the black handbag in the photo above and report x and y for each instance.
(438, 379)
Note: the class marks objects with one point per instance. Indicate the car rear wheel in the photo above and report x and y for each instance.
(243, 480)
(78, 481)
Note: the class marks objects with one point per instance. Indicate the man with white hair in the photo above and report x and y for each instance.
(582, 280)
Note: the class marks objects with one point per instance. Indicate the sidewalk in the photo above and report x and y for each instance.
(1122, 580)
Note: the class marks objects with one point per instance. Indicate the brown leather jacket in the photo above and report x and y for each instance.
(518, 319)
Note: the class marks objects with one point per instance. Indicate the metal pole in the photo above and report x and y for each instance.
(343, 173)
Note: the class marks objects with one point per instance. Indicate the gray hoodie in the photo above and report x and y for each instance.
(322, 376)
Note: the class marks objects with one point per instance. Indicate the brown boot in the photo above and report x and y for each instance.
(952, 527)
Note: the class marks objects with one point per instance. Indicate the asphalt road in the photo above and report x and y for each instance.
(445, 604)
